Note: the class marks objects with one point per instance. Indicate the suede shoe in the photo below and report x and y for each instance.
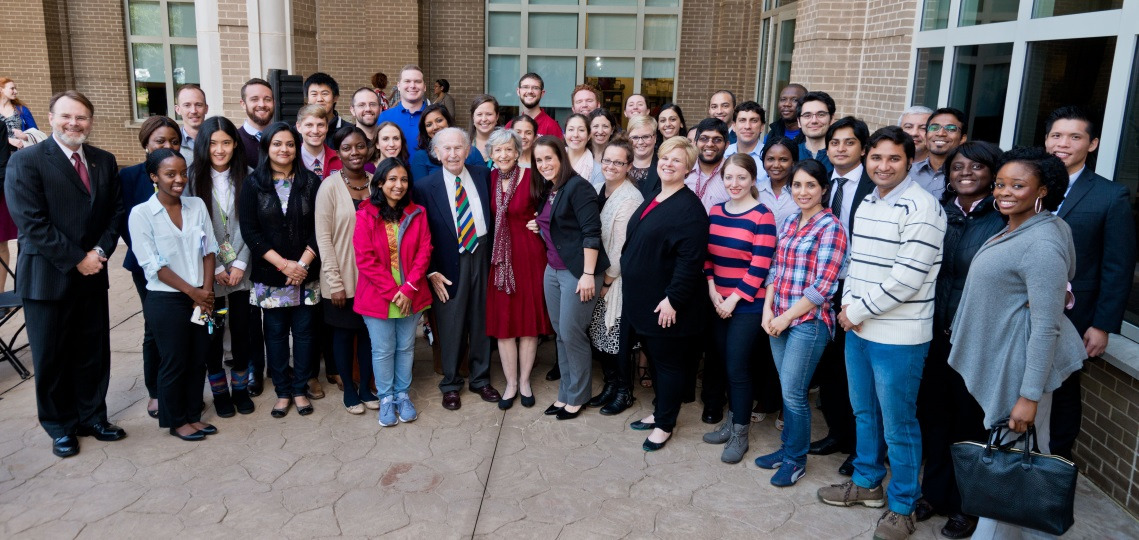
(850, 494)
(787, 474)
(721, 434)
(771, 461)
(894, 526)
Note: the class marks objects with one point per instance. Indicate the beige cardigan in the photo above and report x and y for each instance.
(619, 208)
(335, 225)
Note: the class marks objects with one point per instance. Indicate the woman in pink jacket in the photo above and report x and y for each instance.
(393, 247)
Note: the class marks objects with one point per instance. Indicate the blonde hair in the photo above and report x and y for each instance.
(643, 121)
(312, 110)
(672, 143)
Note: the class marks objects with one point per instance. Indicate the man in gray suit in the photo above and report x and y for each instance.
(65, 200)
(1099, 213)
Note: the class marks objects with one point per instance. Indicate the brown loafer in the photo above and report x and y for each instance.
(451, 400)
(314, 390)
(488, 393)
(335, 379)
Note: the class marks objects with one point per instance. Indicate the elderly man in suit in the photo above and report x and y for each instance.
(65, 201)
(1099, 213)
(457, 199)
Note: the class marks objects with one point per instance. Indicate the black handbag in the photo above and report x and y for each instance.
(1015, 485)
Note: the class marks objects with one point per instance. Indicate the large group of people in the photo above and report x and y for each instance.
(929, 285)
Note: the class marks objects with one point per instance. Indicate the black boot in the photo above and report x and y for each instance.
(223, 404)
(240, 393)
(605, 397)
(623, 400)
(256, 383)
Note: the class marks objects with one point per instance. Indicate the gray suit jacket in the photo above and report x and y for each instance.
(58, 220)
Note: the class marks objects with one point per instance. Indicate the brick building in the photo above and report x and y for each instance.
(1005, 62)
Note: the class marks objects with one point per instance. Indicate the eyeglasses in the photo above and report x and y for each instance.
(531, 88)
(614, 163)
(820, 115)
(949, 128)
(975, 167)
(706, 139)
(642, 138)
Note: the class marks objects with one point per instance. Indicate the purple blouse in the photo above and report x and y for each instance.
(552, 257)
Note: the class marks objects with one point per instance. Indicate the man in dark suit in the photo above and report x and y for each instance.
(1099, 214)
(65, 200)
(460, 261)
(846, 141)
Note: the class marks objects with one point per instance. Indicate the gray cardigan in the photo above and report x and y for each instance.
(1010, 336)
(232, 228)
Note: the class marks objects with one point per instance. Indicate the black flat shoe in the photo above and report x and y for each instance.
(527, 401)
(195, 436)
(566, 415)
(552, 410)
(209, 429)
(959, 526)
(650, 446)
(642, 426)
(505, 403)
(152, 414)
(922, 510)
(280, 413)
(847, 467)
(304, 411)
(65, 446)
(554, 374)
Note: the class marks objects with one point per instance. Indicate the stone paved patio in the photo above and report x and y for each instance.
(476, 472)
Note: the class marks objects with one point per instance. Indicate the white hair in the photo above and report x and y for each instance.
(914, 109)
(447, 131)
(501, 136)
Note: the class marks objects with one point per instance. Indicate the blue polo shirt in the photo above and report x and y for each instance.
(821, 156)
(407, 121)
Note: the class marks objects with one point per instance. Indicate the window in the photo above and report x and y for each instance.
(988, 11)
(927, 76)
(1053, 8)
(620, 46)
(935, 15)
(1127, 172)
(980, 81)
(777, 43)
(162, 37)
(1084, 65)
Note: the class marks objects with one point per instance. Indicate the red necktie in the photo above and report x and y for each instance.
(82, 171)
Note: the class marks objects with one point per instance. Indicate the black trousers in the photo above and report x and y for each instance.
(767, 389)
(947, 414)
(149, 349)
(182, 347)
(714, 392)
(1067, 412)
(673, 359)
(256, 340)
(240, 341)
(834, 392)
(71, 351)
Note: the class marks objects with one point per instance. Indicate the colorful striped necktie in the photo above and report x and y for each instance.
(465, 221)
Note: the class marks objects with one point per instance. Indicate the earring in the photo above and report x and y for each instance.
(995, 207)
(1039, 205)
(949, 187)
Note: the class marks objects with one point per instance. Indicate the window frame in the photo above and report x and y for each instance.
(166, 40)
(771, 20)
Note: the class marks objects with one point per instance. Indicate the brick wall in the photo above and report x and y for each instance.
(453, 37)
(857, 52)
(305, 46)
(719, 47)
(1109, 440)
(233, 36)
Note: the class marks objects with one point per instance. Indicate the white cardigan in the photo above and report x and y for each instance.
(614, 221)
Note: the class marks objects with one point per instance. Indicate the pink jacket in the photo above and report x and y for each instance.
(376, 287)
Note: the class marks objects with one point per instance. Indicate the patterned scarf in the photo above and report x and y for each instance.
(500, 253)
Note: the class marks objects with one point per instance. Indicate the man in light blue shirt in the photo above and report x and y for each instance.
(411, 104)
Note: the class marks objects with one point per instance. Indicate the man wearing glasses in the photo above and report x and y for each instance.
(530, 92)
(815, 112)
(944, 132)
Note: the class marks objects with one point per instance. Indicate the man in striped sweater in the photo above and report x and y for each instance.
(888, 312)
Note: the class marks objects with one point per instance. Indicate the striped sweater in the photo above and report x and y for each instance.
(740, 251)
(895, 254)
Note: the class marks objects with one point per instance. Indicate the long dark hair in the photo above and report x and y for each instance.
(387, 213)
(424, 140)
(565, 169)
(263, 174)
(403, 153)
(533, 125)
(679, 114)
(201, 183)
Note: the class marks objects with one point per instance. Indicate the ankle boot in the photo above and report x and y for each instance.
(239, 381)
(223, 404)
(607, 394)
(623, 400)
(721, 434)
(737, 445)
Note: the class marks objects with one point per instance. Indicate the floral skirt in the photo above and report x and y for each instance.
(269, 297)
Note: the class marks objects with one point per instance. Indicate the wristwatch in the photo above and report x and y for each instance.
(100, 252)
(303, 265)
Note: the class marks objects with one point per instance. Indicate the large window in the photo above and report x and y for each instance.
(620, 46)
(162, 38)
(1127, 172)
(980, 80)
(1087, 60)
(777, 43)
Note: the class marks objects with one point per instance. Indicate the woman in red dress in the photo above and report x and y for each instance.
(516, 306)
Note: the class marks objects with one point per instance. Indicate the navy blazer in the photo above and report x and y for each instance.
(137, 189)
(59, 219)
(1099, 213)
(436, 197)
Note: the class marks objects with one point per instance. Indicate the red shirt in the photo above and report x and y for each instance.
(546, 125)
(649, 208)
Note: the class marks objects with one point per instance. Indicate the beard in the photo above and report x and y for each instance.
(70, 140)
(260, 119)
(714, 161)
(531, 104)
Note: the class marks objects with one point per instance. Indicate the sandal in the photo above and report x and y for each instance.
(643, 372)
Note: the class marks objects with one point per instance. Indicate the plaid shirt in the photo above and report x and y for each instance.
(807, 263)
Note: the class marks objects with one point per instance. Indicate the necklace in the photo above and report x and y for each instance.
(350, 186)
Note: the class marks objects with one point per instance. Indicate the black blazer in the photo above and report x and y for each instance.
(664, 257)
(1098, 212)
(964, 235)
(264, 227)
(651, 184)
(58, 219)
(432, 193)
(865, 186)
(575, 224)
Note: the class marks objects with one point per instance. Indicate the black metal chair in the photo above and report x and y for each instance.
(10, 305)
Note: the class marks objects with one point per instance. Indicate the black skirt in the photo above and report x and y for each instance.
(342, 317)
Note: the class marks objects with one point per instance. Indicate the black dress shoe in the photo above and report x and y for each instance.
(195, 436)
(152, 414)
(552, 410)
(847, 467)
(505, 404)
(65, 446)
(102, 431)
(622, 401)
(959, 526)
(563, 414)
(824, 446)
(922, 510)
(642, 426)
(256, 384)
(209, 429)
(712, 415)
(527, 401)
(607, 395)
(554, 374)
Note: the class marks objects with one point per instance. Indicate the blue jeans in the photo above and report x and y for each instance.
(884, 381)
(393, 349)
(796, 353)
(279, 323)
